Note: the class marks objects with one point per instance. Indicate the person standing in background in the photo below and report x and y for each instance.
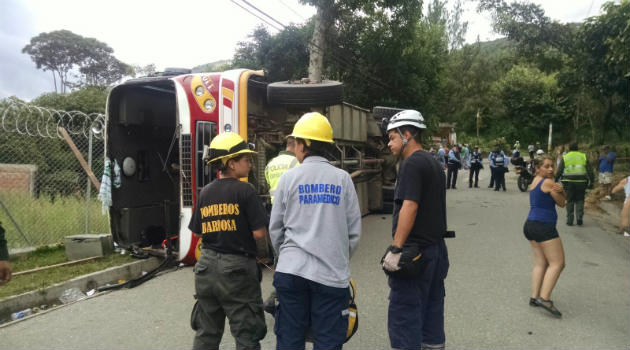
(466, 156)
(625, 210)
(606, 164)
(441, 157)
(498, 165)
(576, 175)
(475, 166)
(5, 267)
(453, 164)
(284, 161)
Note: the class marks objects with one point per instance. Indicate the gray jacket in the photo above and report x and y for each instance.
(315, 222)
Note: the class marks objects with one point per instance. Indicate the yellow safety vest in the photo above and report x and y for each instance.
(276, 167)
(574, 167)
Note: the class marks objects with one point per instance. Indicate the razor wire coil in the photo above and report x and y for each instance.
(36, 121)
(43, 187)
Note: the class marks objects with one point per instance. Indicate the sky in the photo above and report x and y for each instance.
(183, 33)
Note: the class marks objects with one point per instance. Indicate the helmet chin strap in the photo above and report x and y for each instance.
(404, 140)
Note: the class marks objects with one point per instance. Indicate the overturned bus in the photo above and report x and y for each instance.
(158, 129)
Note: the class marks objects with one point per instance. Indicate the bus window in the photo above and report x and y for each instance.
(205, 132)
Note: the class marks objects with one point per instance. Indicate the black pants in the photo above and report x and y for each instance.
(452, 174)
(473, 170)
(499, 178)
(575, 200)
(491, 178)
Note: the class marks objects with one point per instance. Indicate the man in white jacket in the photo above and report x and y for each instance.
(315, 227)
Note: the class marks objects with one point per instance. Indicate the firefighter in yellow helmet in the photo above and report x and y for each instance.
(315, 227)
(232, 223)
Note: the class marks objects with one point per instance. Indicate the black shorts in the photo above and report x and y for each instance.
(540, 231)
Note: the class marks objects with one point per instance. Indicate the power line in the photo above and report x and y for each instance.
(351, 66)
(263, 13)
(342, 61)
(292, 10)
(255, 15)
(589, 9)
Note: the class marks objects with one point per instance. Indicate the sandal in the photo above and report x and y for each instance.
(548, 305)
(533, 302)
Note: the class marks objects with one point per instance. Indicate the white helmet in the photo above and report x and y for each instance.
(408, 117)
(540, 152)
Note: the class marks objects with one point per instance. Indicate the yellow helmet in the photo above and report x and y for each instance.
(313, 126)
(227, 145)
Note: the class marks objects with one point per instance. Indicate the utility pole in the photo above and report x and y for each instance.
(316, 58)
(318, 42)
(478, 123)
(549, 141)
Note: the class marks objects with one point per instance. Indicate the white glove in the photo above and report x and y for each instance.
(390, 263)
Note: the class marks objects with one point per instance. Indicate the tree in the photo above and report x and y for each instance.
(529, 100)
(89, 99)
(58, 52)
(456, 28)
(143, 71)
(603, 63)
(62, 52)
(98, 64)
(283, 56)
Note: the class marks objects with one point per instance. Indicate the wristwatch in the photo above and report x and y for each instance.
(394, 249)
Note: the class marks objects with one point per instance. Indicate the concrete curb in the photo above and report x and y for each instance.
(50, 295)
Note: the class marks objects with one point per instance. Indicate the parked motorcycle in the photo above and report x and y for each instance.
(525, 173)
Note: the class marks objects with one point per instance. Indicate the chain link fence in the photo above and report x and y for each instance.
(45, 193)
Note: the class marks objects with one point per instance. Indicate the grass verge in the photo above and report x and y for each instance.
(49, 256)
(47, 220)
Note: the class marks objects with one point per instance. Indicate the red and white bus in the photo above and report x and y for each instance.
(158, 129)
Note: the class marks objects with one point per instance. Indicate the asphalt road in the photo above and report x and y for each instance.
(486, 304)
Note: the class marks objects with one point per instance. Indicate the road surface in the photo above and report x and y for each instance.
(486, 303)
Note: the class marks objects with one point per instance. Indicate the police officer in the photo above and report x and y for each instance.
(315, 228)
(277, 166)
(475, 166)
(231, 221)
(576, 175)
(5, 266)
(416, 299)
(453, 164)
(498, 166)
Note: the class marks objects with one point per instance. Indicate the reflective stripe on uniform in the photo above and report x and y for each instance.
(275, 168)
(574, 167)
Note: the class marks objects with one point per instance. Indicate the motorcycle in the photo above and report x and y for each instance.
(525, 173)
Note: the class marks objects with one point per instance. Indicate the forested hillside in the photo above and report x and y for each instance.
(574, 75)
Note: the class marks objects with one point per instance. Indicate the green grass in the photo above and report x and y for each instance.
(49, 256)
(45, 221)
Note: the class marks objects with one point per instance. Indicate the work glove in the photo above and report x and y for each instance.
(392, 258)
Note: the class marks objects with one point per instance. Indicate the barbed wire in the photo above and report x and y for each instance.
(36, 121)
